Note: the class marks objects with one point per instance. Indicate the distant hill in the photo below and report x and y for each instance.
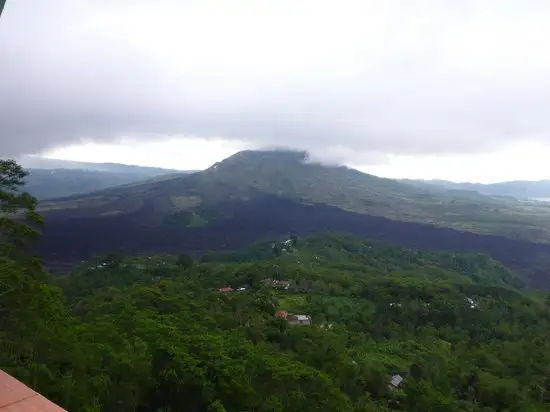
(51, 178)
(520, 189)
(37, 162)
(47, 184)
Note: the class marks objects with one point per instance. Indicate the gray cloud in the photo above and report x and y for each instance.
(351, 80)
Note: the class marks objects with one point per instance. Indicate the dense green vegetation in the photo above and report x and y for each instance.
(154, 333)
(327, 253)
(250, 174)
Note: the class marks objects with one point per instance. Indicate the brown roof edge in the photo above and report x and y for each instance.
(15, 396)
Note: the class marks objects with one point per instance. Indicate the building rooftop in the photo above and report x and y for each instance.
(17, 397)
(396, 380)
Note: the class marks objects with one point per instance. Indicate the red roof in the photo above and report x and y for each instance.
(227, 289)
(281, 314)
(17, 397)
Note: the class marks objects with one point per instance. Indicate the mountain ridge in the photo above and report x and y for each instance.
(39, 162)
(521, 189)
(47, 184)
(55, 178)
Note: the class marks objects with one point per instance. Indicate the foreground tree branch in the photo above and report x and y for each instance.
(2, 4)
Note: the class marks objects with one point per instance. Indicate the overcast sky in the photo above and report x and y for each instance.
(412, 88)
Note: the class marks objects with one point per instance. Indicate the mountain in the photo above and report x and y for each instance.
(200, 197)
(520, 189)
(259, 195)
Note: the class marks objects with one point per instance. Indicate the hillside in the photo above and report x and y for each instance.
(201, 197)
(346, 253)
(520, 189)
(67, 241)
(330, 324)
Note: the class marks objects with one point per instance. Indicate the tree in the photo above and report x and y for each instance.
(18, 217)
(185, 261)
(216, 407)
(33, 319)
(277, 249)
(2, 4)
(113, 261)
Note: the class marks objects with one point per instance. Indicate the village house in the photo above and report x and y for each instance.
(299, 320)
(395, 381)
(293, 319)
(472, 303)
(279, 284)
(226, 289)
(287, 245)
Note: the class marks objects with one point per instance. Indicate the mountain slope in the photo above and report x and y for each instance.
(357, 255)
(72, 240)
(200, 197)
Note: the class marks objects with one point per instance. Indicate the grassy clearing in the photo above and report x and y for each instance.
(291, 301)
